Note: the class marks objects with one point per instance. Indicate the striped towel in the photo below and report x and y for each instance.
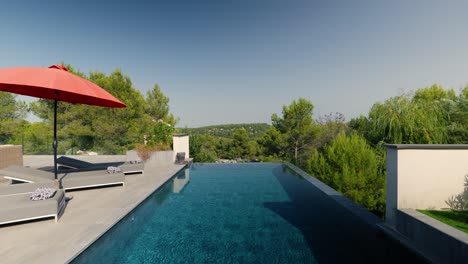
(135, 161)
(112, 169)
(42, 194)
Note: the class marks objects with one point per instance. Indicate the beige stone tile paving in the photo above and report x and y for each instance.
(88, 215)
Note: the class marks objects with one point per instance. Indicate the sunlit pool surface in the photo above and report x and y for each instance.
(242, 213)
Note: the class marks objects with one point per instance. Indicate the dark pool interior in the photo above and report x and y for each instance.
(243, 213)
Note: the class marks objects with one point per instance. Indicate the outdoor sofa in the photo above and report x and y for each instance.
(69, 180)
(80, 165)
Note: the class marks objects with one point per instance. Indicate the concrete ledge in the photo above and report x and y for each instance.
(427, 146)
(397, 236)
(439, 242)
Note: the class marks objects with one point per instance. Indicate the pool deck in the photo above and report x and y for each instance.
(86, 217)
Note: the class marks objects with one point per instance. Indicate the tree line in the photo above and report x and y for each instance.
(227, 130)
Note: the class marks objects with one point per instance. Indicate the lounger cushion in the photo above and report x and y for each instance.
(73, 163)
(80, 165)
(20, 207)
(75, 180)
(26, 174)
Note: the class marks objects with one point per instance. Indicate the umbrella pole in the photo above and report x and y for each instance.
(55, 138)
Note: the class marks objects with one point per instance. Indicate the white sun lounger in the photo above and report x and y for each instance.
(69, 180)
(19, 207)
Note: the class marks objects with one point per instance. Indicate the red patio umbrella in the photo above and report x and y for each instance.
(55, 83)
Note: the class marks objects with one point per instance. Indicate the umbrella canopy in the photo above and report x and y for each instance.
(55, 83)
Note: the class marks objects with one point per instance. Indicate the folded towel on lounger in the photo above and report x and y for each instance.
(42, 194)
(135, 161)
(112, 169)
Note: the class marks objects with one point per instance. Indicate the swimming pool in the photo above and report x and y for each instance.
(241, 213)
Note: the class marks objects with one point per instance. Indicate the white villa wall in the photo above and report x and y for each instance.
(424, 177)
(180, 144)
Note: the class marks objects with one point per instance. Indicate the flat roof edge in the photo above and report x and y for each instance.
(427, 146)
(180, 135)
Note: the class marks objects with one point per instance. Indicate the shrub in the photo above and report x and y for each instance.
(459, 202)
(161, 133)
(145, 151)
(350, 166)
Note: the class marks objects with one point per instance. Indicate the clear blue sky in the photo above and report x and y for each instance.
(240, 61)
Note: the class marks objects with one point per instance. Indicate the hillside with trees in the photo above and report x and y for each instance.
(227, 131)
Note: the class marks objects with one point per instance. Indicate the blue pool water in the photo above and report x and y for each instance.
(241, 213)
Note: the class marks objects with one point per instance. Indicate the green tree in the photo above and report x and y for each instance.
(161, 134)
(12, 114)
(116, 129)
(330, 126)
(10, 108)
(363, 127)
(203, 148)
(253, 150)
(223, 147)
(271, 145)
(240, 144)
(350, 166)
(401, 120)
(458, 126)
(158, 106)
(36, 139)
(255, 130)
(434, 93)
(297, 128)
(105, 130)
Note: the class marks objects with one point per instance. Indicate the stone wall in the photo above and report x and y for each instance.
(161, 158)
(11, 155)
(437, 241)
